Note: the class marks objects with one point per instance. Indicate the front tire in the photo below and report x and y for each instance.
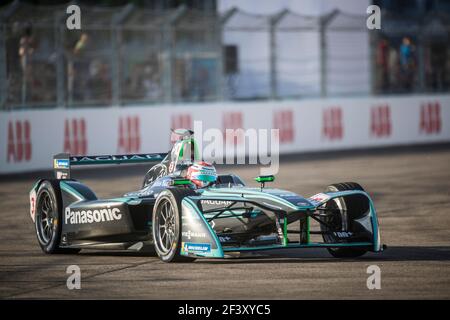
(341, 220)
(166, 225)
(48, 219)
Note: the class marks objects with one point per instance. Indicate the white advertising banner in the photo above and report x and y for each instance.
(30, 138)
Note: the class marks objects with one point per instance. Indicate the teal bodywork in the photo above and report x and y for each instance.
(289, 205)
(294, 207)
(249, 214)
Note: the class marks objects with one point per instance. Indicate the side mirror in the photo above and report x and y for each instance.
(264, 179)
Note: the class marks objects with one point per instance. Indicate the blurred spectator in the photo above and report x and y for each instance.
(202, 83)
(144, 81)
(436, 70)
(150, 84)
(197, 79)
(382, 65)
(77, 69)
(13, 66)
(393, 67)
(132, 83)
(81, 44)
(26, 49)
(407, 64)
(99, 83)
(44, 85)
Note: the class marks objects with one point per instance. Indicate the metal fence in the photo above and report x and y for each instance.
(129, 55)
(287, 55)
(121, 56)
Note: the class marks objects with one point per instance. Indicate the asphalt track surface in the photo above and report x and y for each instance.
(410, 188)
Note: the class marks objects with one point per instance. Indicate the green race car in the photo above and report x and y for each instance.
(182, 222)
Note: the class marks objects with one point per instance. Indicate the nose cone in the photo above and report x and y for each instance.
(291, 197)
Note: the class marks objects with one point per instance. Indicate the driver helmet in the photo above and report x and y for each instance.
(202, 174)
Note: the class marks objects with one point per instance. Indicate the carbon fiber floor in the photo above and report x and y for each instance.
(411, 190)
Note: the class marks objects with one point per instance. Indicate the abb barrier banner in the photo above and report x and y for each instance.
(30, 138)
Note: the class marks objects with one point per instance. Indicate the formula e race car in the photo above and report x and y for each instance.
(182, 222)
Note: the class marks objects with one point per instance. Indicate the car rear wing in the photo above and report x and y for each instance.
(62, 162)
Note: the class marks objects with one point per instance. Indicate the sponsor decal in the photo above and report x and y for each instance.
(61, 175)
(75, 141)
(190, 217)
(207, 171)
(430, 118)
(285, 194)
(160, 182)
(343, 234)
(192, 224)
(283, 120)
(61, 164)
(225, 239)
(189, 234)
(224, 203)
(32, 204)
(117, 157)
(91, 216)
(380, 121)
(172, 166)
(332, 124)
(320, 197)
(232, 124)
(19, 141)
(129, 135)
(188, 247)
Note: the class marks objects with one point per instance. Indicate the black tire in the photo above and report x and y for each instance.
(168, 247)
(342, 219)
(48, 219)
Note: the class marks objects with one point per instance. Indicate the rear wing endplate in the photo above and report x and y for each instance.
(62, 162)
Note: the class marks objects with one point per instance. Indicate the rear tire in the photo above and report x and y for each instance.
(166, 224)
(341, 219)
(48, 219)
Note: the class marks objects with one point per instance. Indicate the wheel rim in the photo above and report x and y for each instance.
(45, 218)
(165, 226)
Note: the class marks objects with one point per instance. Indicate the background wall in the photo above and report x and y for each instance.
(29, 139)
